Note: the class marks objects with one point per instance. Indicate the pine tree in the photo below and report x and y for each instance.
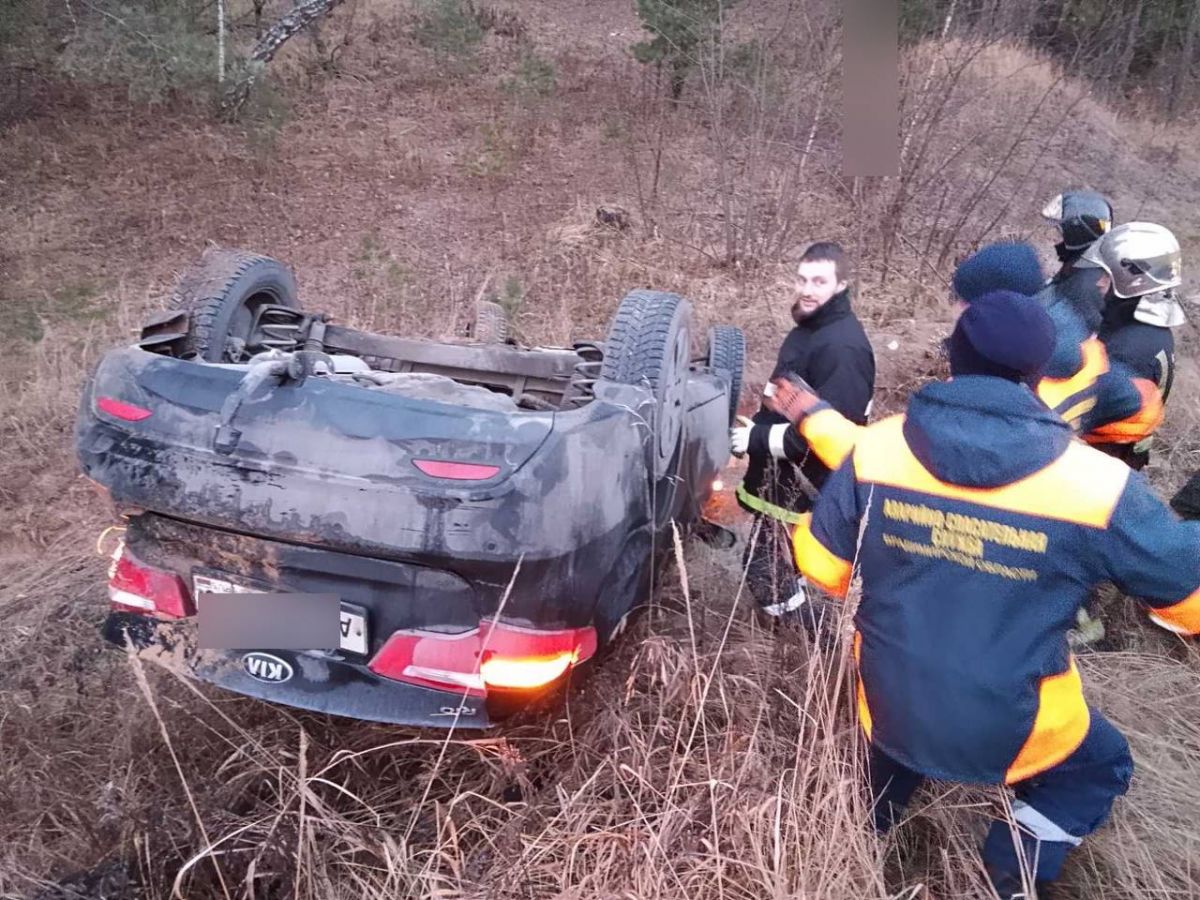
(680, 29)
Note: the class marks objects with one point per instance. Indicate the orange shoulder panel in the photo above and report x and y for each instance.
(1082, 486)
(1055, 391)
(830, 435)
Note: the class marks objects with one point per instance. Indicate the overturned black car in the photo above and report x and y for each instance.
(483, 516)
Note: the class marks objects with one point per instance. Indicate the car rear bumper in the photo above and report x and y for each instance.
(319, 683)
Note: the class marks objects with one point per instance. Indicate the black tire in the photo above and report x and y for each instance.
(491, 323)
(727, 357)
(221, 294)
(649, 344)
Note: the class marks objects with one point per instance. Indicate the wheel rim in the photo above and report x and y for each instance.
(243, 318)
(670, 407)
(663, 493)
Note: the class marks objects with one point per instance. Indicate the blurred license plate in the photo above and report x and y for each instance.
(353, 625)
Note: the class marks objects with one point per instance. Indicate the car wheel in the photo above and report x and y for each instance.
(649, 344)
(727, 357)
(491, 323)
(221, 297)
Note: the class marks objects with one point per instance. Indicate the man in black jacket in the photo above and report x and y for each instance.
(828, 349)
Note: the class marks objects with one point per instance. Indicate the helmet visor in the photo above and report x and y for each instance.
(1140, 276)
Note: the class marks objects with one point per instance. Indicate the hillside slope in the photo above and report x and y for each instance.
(704, 758)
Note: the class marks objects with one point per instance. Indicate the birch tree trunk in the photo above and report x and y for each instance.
(220, 41)
(303, 15)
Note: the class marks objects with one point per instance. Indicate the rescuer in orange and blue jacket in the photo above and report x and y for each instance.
(1115, 292)
(978, 523)
(1078, 381)
(1098, 396)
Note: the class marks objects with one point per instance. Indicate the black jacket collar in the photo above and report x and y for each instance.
(1069, 260)
(838, 307)
(1118, 311)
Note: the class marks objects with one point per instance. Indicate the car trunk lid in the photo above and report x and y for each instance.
(311, 462)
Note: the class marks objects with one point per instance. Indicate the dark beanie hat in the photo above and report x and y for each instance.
(1003, 334)
(1008, 266)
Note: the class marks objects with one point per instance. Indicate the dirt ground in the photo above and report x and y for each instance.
(400, 190)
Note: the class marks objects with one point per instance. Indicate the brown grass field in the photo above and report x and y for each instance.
(703, 758)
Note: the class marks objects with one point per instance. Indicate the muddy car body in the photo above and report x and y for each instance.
(485, 514)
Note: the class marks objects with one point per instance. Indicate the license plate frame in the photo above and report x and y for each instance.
(353, 633)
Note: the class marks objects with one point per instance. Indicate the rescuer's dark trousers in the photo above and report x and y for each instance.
(770, 571)
(1053, 810)
(778, 589)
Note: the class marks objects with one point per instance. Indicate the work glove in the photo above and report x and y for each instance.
(1087, 631)
(758, 438)
(792, 397)
(739, 437)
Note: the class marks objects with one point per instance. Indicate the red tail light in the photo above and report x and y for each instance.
(495, 655)
(456, 471)
(121, 410)
(135, 586)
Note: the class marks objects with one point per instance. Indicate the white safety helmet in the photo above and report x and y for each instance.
(1143, 260)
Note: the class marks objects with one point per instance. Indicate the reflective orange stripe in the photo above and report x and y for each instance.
(1182, 617)
(828, 570)
(1055, 391)
(830, 435)
(1059, 727)
(1082, 486)
(864, 711)
(1137, 427)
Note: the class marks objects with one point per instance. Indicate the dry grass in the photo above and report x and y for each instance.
(703, 758)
